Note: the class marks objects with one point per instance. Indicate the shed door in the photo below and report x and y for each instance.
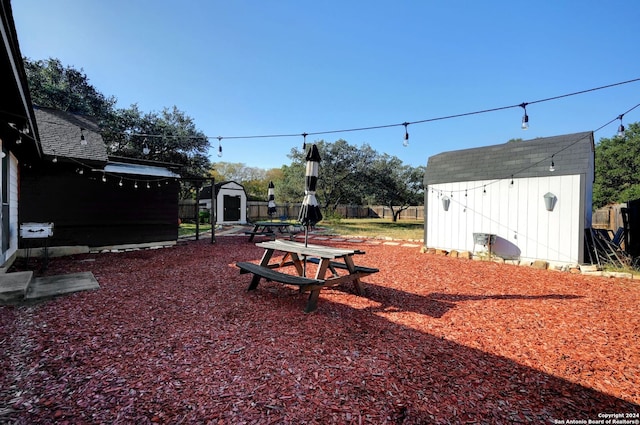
(231, 208)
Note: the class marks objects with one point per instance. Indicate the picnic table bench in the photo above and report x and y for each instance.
(327, 258)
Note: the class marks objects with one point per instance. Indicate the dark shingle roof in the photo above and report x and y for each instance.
(572, 154)
(60, 135)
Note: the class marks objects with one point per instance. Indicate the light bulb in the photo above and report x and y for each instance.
(525, 117)
(83, 140)
(405, 143)
(620, 127)
(220, 151)
(104, 178)
(146, 150)
(552, 167)
(135, 185)
(120, 183)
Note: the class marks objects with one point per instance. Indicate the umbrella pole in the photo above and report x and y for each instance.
(306, 235)
(306, 239)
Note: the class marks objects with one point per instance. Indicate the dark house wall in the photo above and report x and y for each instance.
(87, 211)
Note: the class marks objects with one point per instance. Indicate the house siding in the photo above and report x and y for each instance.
(516, 214)
(88, 212)
(13, 206)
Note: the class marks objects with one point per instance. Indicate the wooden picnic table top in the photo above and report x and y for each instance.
(324, 256)
(272, 223)
(307, 250)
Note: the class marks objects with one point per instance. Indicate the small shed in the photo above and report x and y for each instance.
(231, 202)
(526, 200)
(94, 200)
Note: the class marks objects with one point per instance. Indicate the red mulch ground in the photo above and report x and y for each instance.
(173, 337)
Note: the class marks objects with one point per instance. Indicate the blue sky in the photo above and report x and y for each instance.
(244, 68)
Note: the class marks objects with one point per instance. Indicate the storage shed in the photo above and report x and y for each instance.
(94, 200)
(530, 199)
(231, 202)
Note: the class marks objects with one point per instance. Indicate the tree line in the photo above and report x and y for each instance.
(349, 174)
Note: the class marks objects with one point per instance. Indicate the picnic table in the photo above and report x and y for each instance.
(329, 259)
(269, 228)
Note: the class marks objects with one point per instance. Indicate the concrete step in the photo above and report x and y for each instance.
(14, 286)
(52, 286)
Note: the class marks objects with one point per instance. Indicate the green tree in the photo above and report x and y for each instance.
(343, 172)
(356, 175)
(395, 185)
(617, 168)
(173, 136)
(53, 85)
(255, 180)
(168, 136)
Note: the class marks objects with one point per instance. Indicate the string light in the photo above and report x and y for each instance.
(83, 141)
(620, 127)
(304, 141)
(148, 185)
(145, 148)
(104, 177)
(55, 157)
(501, 108)
(405, 143)
(552, 165)
(219, 147)
(135, 185)
(525, 117)
(511, 184)
(120, 182)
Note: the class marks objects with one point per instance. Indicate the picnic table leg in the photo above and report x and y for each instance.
(255, 229)
(297, 263)
(255, 280)
(312, 303)
(352, 269)
(322, 269)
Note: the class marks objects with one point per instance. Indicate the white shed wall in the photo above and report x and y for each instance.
(515, 213)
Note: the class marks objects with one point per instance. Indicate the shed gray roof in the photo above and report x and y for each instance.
(572, 154)
(60, 135)
(205, 192)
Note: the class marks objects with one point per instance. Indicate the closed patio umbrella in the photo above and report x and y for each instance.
(271, 209)
(310, 210)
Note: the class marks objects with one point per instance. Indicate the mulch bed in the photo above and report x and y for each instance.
(173, 337)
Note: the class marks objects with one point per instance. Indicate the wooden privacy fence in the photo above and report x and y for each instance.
(258, 209)
(187, 210)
